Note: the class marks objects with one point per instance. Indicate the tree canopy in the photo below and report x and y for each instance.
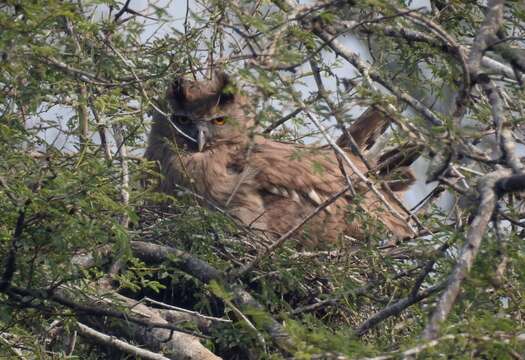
(96, 264)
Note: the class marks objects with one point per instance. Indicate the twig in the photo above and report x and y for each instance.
(335, 113)
(101, 130)
(486, 36)
(282, 120)
(407, 354)
(462, 98)
(77, 73)
(194, 313)
(396, 308)
(122, 11)
(82, 91)
(12, 350)
(411, 35)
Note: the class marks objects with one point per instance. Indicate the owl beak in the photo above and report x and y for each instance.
(201, 140)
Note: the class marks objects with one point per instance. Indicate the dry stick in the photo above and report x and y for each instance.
(113, 342)
(193, 313)
(396, 308)
(468, 252)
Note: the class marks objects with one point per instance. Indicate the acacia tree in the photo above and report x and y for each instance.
(92, 267)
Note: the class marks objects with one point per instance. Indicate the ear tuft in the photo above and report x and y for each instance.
(225, 88)
(176, 92)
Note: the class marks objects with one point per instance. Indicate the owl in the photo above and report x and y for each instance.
(209, 144)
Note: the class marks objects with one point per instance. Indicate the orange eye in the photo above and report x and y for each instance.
(219, 121)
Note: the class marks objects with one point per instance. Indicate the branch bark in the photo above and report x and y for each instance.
(468, 252)
(111, 341)
(206, 273)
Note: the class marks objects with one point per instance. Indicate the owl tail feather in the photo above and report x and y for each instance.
(366, 129)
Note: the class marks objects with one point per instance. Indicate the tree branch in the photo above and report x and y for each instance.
(468, 253)
(113, 342)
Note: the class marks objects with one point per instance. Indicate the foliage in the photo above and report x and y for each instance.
(78, 82)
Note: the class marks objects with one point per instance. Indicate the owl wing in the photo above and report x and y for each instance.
(296, 171)
(308, 176)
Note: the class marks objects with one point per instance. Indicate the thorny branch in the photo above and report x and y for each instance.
(488, 198)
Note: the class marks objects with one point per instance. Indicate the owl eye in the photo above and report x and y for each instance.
(219, 121)
(181, 120)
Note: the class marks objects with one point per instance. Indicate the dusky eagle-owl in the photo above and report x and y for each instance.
(208, 145)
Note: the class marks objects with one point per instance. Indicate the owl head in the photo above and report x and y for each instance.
(208, 113)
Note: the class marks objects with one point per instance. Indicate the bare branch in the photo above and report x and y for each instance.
(396, 308)
(111, 341)
(468, 253)
(486, 36)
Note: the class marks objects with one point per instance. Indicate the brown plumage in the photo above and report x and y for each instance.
(267, 185)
